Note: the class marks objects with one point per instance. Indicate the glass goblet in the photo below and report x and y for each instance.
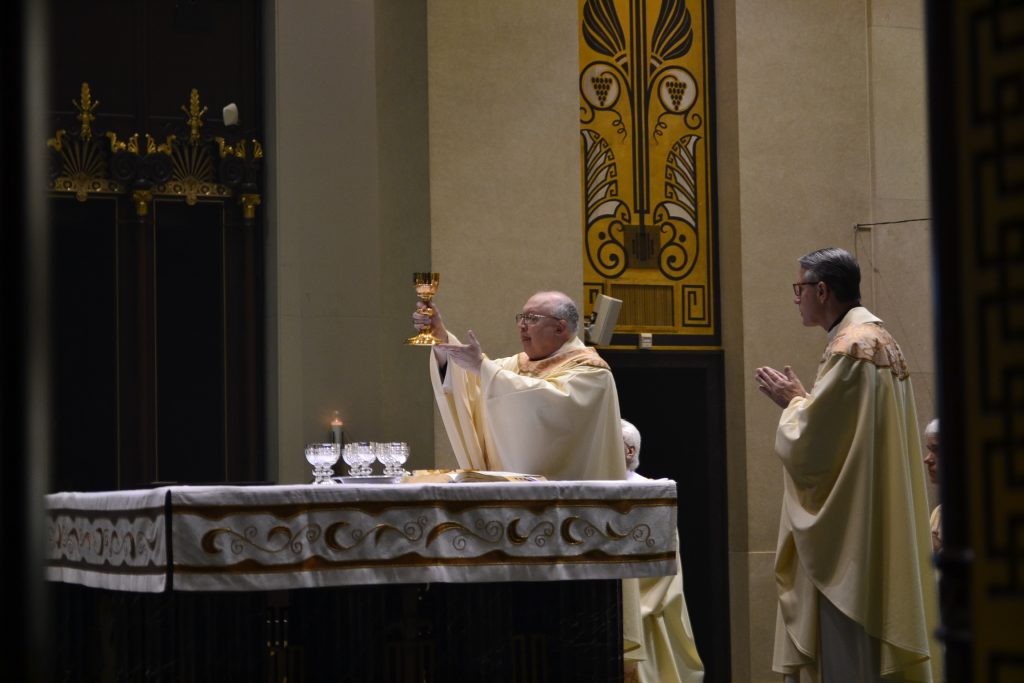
(382, 454)
(348, 454)
(367, 456)
(384, 457)
(358, 456)
(322, 457)
(397, 452)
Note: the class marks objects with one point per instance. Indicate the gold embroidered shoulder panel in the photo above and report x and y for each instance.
(872, 343)
(562, 362)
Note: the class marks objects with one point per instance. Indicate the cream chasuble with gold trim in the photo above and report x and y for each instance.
(557, 417)
(854, 524)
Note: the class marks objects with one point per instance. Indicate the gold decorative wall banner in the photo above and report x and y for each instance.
(649, 235)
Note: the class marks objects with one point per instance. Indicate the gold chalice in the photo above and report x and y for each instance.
(426, 288)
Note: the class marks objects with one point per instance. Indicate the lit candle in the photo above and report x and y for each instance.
(336, 425)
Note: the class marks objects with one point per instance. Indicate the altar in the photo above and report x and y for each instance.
(362, 582)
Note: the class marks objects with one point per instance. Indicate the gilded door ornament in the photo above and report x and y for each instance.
(644, 115)
(185, 164)
(195, 116)
(85, 107)
(249, 203)
(78, 163)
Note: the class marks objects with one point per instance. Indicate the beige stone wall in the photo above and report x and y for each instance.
(897, 256)
(354, 207)
(505, 187)
(347, 224)
(821, 127)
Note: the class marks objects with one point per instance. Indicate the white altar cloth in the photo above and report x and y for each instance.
(228, 538)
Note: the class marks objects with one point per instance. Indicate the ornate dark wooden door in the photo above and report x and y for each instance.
(157, 243)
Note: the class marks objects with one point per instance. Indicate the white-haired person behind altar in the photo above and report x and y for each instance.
(671, 651)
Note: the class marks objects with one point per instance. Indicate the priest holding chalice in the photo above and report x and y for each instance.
(551, 410)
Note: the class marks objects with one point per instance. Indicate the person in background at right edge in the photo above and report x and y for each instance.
(931, 461)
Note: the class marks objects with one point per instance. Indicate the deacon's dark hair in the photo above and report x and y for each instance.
(837, 268)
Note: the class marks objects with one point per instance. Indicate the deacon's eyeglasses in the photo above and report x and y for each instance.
(798, 285)
(532, 319)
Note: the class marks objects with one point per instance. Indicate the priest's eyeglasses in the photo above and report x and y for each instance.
(532, 319)
(797, 286)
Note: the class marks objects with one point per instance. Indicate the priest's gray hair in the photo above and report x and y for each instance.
(835, 267)
(566, 310)
(631, 438)
(932, 429)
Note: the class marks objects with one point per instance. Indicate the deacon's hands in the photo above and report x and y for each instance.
(467, 356)
(781, 387)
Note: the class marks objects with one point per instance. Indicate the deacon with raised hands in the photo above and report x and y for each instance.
(856, 597)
